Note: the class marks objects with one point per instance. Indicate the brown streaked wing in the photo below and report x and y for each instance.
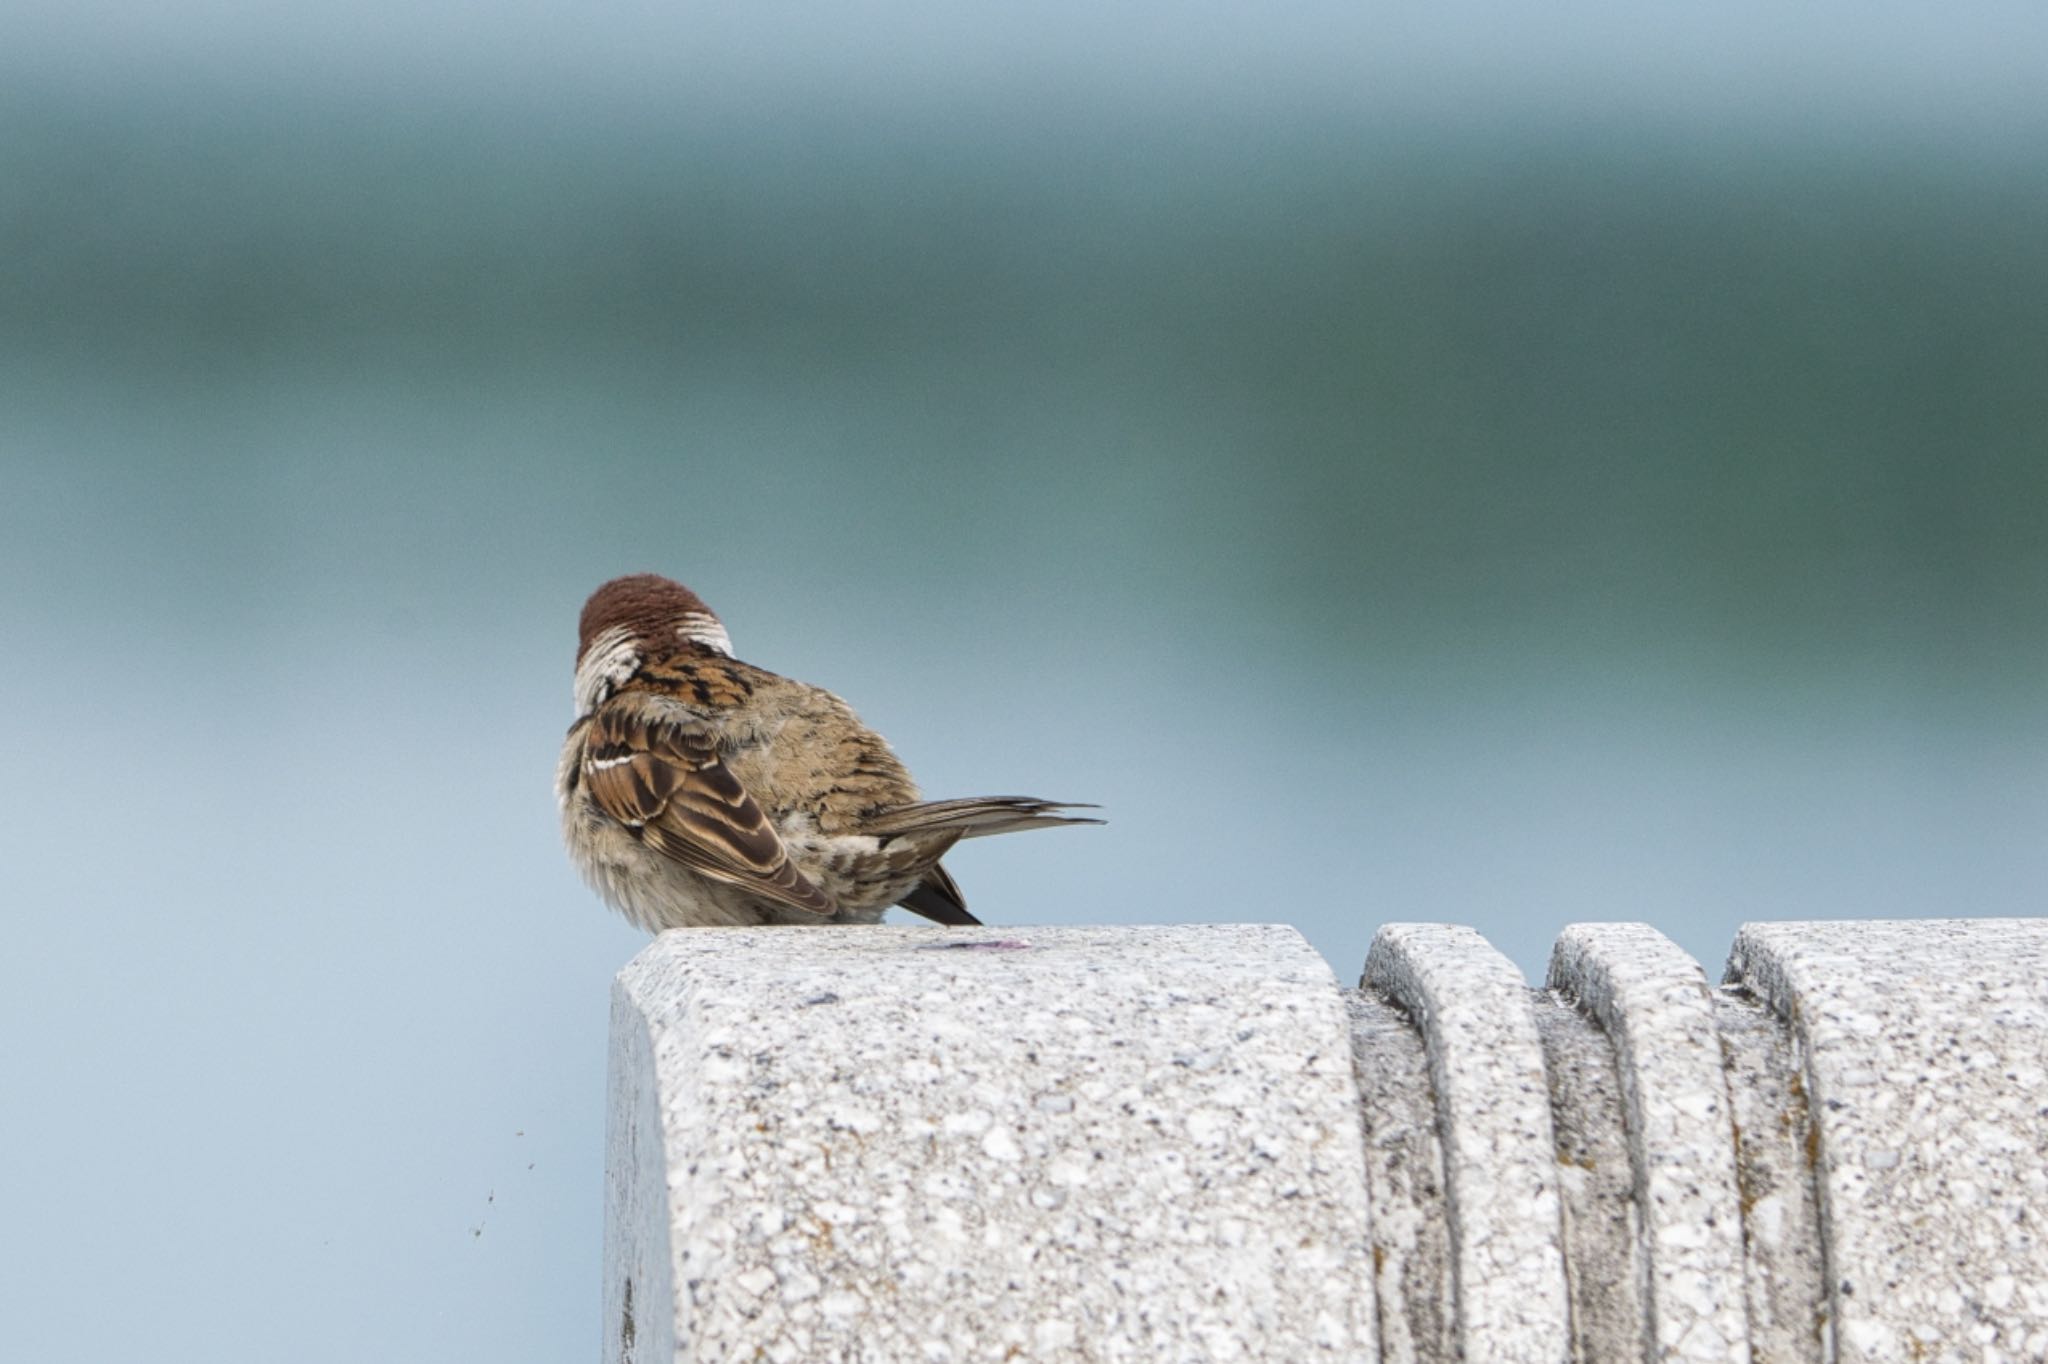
(667, 781)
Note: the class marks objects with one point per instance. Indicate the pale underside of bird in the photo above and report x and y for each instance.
(696, 789)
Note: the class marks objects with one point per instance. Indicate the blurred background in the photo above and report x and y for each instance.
(1405, 462)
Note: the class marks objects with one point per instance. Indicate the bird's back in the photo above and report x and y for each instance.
(799, 749)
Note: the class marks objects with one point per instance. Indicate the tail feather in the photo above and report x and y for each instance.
(975, 816)
(938, 898)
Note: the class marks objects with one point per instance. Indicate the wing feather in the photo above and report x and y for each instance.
(666, 780)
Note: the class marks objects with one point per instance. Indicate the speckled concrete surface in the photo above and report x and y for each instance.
(915, 1144)
(1493, 1106)
(1131, 1144)
(1652, 1001)
(1926, 1057)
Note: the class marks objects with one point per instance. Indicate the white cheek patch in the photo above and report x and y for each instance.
(699, 628)
(608, 662)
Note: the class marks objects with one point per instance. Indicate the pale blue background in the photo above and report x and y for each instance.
(1405, 462)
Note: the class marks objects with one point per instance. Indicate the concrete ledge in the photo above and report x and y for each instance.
(1190, 1144)
(916, 1144)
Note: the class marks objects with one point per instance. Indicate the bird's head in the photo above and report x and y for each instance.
(633, 618)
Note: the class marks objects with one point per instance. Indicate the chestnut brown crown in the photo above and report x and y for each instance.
(647, 605)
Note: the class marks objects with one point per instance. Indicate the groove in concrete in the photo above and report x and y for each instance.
(1651, 1001)
(1602, 1226)
(1783, 1274)
(1404, 1169)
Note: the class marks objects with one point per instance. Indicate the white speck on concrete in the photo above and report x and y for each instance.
(1052, 1334)
(1000, 1145)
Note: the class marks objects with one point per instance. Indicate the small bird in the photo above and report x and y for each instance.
(696, 789)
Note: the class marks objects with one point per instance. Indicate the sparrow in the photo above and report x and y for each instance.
(697, 789)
